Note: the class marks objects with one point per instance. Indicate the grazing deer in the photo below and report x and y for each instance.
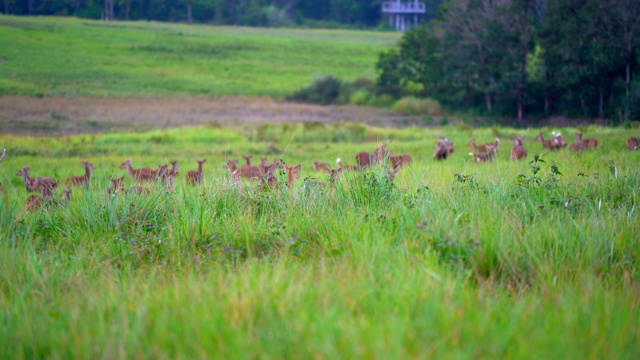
(195, 177)
(444, 148)
(579, 145)
(30, 183)
(633, 143)
(83, 180)
(139, 175)
(293, 173)
(348, 167)
(518, 151)
(117, 185)
(320, 166)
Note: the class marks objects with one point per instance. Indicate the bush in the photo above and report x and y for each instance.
(324, 91)
(414, 106)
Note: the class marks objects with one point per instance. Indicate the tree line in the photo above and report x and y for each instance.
(523, 58)
(351, 13)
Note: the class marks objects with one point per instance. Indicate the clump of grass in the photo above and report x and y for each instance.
(415, 106)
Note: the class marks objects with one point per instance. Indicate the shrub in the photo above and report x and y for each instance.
(414, 106)
(324, 91)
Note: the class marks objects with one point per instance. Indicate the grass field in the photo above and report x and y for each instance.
(72, 57)
(454, 259)
(534, 259)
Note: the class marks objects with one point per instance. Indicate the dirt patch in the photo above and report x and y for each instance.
(73, 115)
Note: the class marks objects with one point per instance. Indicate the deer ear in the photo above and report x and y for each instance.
(297, 167)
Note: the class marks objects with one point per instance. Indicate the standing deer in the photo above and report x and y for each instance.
(546, 144)
(518, 151)
(485, 157)
(139, 175)
(30, 183)
(579, 145)
(293, 173)
(195, 177)
(83, 180)
(633, 143)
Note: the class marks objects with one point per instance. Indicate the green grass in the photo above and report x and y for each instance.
(69, 57)
(453, 260)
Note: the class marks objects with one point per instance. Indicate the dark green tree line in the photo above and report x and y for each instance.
(524, 57)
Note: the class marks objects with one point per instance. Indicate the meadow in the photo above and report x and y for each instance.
(453, 259)
(46, 56)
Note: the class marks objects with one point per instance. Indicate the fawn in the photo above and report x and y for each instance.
(485, 157)
(293, 173)
(444, 148)
(83, 180)
(35, 202)
(579, 145)
(633, 143)
(30, 183)
(139, 175)
(117, 185)
(518, 151)
(195, 177)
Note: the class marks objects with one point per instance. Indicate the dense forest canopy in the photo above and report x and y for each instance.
(353, 13)
(578, 58)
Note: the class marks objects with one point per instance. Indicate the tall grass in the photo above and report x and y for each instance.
(450, 260)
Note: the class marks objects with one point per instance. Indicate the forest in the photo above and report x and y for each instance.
(524, 58)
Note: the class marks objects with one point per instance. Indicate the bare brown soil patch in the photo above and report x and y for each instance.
(73, 115)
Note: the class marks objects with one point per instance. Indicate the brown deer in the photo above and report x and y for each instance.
(195, 177)
(558, 140)
(139, 175)
(320, 166)
(591, 143)
(518, 151)
(117, 185)
(478, 148)
(174, 171)
(232, 165)
(444, 148)
(579, 145)
(485, 157)
(83, 180)
(348, 167)
(363, 159)
(65, 195)
(30, 183)
(633, 143)
(293, 173)
(379, 154)
(399, 160)
(334, 173)
(35, 202)
(546, 144)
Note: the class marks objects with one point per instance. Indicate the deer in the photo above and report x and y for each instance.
(399, 160)
(546, 144)
(83, 180)
(558, 140)
(348, 167)
(334, 173)
(117, 185)
(478, 148)
(247, 159)
(363, 159)
(232, 165)
(195, 177)
(293, 173)
(444, 148)
(139, 175)
(35, 202)
(320, 166)
(65, 195)
(633, 143)
(518, 151)
(591, 143)
(485, 157)
(30, 183)
(378, 155)
(579, 145)
(174, 171)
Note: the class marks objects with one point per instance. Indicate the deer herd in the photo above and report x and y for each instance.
(265, 171)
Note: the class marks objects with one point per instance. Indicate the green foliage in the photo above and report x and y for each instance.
(415, 106)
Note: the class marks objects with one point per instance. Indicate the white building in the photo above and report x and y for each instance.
(403, 15)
